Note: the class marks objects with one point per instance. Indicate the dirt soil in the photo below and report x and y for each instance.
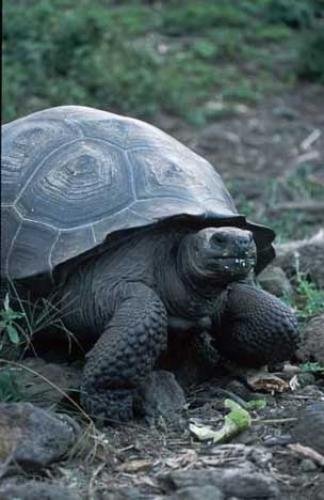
(251, 148)
(267, 155)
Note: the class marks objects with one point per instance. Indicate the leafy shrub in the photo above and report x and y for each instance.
(10, 329)
(125, 57)
(75, 56)
(195, 16)
(311, 56)
(293, 13)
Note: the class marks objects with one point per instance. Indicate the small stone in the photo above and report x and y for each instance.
(36, 490)
(308, 430)
(307, 465)
(241, 482)
(198, 493)
(33, 437)
(312, 343)
(306, 256)
(285, 112)
(161, 395)
(128, 493)
(305, 379)
(45, 383)
(318, 493)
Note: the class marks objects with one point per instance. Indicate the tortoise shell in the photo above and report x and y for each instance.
(73, 175)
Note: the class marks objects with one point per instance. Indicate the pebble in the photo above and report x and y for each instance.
(307, 465)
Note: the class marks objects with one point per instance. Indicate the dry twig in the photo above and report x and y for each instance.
(307, 452)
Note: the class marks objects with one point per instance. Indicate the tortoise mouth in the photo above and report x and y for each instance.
(219, 255)
(235, 262)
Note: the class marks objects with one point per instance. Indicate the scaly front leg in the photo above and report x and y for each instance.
(124, 354)
(254, 327)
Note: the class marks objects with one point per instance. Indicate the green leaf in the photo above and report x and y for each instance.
(12, 334)
(6, 302)
(16, 315)
(256, 404)
(235, 422)
(9, 388)
(238, 415)
(312, 367)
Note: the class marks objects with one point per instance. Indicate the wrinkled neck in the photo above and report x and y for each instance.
(191, 274)
(183, 288)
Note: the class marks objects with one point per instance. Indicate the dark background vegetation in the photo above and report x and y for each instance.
(143, 58)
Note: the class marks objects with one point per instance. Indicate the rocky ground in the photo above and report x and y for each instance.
(272, 159)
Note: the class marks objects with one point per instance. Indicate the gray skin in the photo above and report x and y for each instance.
(157, 280)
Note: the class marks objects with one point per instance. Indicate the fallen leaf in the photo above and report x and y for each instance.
(307, 452)
(255, 404)
(183, 460)
(202, 432)
(135, 465)
(235, 422)
(267, 382)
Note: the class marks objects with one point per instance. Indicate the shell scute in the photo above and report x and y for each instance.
(24, 148)
(81, 183)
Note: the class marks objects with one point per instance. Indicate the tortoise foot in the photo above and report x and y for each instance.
(111, 406)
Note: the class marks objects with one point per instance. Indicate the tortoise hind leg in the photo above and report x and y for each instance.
(124, 354)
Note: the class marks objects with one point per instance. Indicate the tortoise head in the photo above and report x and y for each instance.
(218, 255)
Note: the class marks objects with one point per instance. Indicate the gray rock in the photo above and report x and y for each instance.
(238, 454)
(161, 395)
(318, 493)
(309, 428)
(312, 343)
(128, 493)
(274, 280)
(243, 482)
(306, 256)
(207, 492)
(36, 490)
(33, 437)
(285, 112)
(305, 379)
(34, 377)
(307, 465)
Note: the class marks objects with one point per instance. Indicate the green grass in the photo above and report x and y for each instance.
(311, 56)
(9, 387)
(309, 300)
(297, 187)
(9, 324)
(22, 319)
(141, 59)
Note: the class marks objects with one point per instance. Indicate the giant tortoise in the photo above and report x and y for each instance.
(141, 236)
